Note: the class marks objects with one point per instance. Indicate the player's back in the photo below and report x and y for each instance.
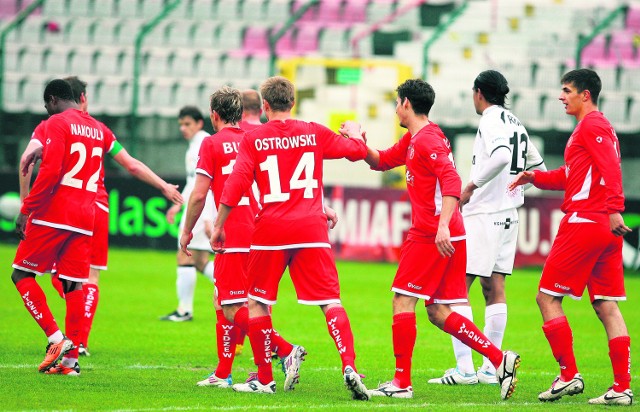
(288, 161)
(73, 152)
(217, 157)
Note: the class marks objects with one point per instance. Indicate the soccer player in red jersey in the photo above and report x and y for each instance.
(251, 112)
(100, 238)
(433, 258)
(587, 250)
(285, 156)
(52, 230)
(215, 163)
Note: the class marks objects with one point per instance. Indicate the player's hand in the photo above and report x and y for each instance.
(616, 223)
(29, 160)
(522, 178)
(466, 194)
(185, 239)
(172, 194)
(217, 240)
(172, 212)
(351, 129)
(332, 217)
(21, 224)
(443, 242)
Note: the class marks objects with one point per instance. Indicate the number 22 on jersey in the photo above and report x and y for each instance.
(70, 179)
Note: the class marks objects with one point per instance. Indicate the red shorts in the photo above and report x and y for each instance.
(231, 277)
(45, 246)
(424, 274)
(100, 239)
(312, 270)
(584, 254)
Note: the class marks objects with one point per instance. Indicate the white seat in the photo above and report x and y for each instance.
(53, 8)
(202, 10)
(227, 10)
(78, 8)
(205, 35)
(253, 10)
(179, 33)
(103, 8)
(151, 8)
(14, 84)
(155, 62)
(129, 9)
(56, 61)
(614, 106)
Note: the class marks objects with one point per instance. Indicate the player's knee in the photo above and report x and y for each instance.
(70, 286)
(18, 275)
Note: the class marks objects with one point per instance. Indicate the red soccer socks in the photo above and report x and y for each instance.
(404, 340)
(619, 352)
(560, 337)
(36, 303)
(226, 343)
(340, 330)
(468, 333)
(91, 296)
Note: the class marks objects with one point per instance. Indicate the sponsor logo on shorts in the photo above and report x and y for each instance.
(26, 262)
(563, 287)
(506, 223)
(412, 286)
(261, 291)
(236, 292)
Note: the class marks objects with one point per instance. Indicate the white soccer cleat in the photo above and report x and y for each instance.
(560, 388)
(506, 373)
(486, 377)
(390, 390)
(454, 377)
(353, 382)
(613, 398)
(253, 385)
(291, 367)
(213, 380)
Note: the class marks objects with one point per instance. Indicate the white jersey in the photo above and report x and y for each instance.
(499, 129)
(200, 240)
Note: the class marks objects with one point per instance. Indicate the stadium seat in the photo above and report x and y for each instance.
(53, 8)
(56, 61)
(329, 11)
(614, 106)
(631, 125)
(151, 8)
(14, 84)
(310, 15)
(181, 63)
(553, 114)
(106, 61)
(103, 8)
(275, 9)
(229, 35)
(256, 40)
(7, 8)
(621, 47)
(257, 68)
(354, 11)
(78, 8)
(81, 60)
(633, 18)
(595, 53)
(202, 10)
(227, 10)
(31, 60)
(379, 9)
(129, 9)
(307, 39)
(252, 10)
(104, 32)
(155, 62)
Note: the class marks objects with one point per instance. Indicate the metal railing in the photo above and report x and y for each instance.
(583, 41)
(439, 30)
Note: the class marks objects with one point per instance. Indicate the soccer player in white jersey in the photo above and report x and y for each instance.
(191, 127)
(501, 150)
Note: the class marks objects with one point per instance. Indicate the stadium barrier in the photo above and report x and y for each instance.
(372, 222)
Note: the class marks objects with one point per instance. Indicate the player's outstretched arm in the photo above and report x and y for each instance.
(522, 178)
(142, 172)
(31, 154)
(194, 210)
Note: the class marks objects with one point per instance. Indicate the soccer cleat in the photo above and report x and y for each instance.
(82, 351)
(506, 373)
(239, 349)
(454, 377)
(392, 391)
(55, 352)
(561, 388)
(176, 316)
(60, 369)
(612, 397)
(213, 380)
(291, 366)
(353, 382)
(253, 385)
(486, 378)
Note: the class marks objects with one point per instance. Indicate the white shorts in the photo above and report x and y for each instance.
(491, 242)
(200, 239)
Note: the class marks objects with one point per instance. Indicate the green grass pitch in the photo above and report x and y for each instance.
(138, 363)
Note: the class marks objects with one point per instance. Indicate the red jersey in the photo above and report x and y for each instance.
(246, 126)
(286, 159)
(591, 176)
(216, 159)
(431, 174)
(64, 192)
(102, 197)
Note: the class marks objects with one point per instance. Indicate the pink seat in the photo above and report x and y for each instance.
(309, 15)
(595, 53)
(307, 39)
(621, 47)
(633, 19)
(255, 40)
(285, 45)
(329, 10)
(355, 11)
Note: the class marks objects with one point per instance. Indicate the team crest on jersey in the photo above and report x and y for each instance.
(412, 152)
(433, 156)
(48, 141)
(409, 177)
(599, 139)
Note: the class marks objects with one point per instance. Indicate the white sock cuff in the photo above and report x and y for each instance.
(495, 309)
(464, 311)
(186, 271)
